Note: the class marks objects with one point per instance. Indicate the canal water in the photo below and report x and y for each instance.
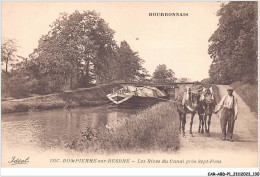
(54, 129)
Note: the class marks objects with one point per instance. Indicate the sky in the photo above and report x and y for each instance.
(179, 42)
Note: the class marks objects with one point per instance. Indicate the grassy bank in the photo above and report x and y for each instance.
(155, 128)
(93, 96)
(248, 92)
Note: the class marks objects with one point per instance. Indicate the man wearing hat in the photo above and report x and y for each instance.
(228, 114)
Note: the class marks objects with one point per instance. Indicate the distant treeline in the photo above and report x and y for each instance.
(233, 46)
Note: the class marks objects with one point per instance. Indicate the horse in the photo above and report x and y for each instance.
(187, 103)
(201, 113)
(208, 103)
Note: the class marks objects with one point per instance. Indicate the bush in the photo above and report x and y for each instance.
(248, 92)
(155, 128)
(14, 85)
(4, 84)
(206, 81)
(81, 97)
(18, 87)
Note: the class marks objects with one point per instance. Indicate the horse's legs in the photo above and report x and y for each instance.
(209, 123)
(205, 122)
(199, 123)
(201, 128)
(202, 124)
(183, 123)
(191, 122)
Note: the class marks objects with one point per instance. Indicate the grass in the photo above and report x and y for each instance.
(93, 96)
(249, 93)
(155, 128)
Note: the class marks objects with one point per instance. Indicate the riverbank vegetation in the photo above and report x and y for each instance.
(93, 96)
(155, 128)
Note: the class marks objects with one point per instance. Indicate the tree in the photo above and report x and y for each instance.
(233, 46)
(163, 75)
(12, 84)
(128, 65)
(76, 50)
(8, 50)
(206, 81)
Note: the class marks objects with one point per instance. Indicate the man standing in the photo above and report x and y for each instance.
(228, 115)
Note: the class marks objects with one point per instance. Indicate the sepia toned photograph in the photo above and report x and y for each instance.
(129, 84)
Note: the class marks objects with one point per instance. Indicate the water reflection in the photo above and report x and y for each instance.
(53, 129)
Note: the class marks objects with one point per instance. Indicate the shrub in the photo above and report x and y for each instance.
(82, 97)
(155, 128)
(248, 92)
(15, 86)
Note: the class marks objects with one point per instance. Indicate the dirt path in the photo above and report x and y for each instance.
(243, 151)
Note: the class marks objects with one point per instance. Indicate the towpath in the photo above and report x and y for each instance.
(242, 152)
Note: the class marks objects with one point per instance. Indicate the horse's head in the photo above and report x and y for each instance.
(192, 98)
(209, 91)
(208, 100)
(195, 99)
(209, 96)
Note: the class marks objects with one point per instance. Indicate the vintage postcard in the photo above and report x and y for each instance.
(129, 84)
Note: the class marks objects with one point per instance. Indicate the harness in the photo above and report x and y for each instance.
(209, 99)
